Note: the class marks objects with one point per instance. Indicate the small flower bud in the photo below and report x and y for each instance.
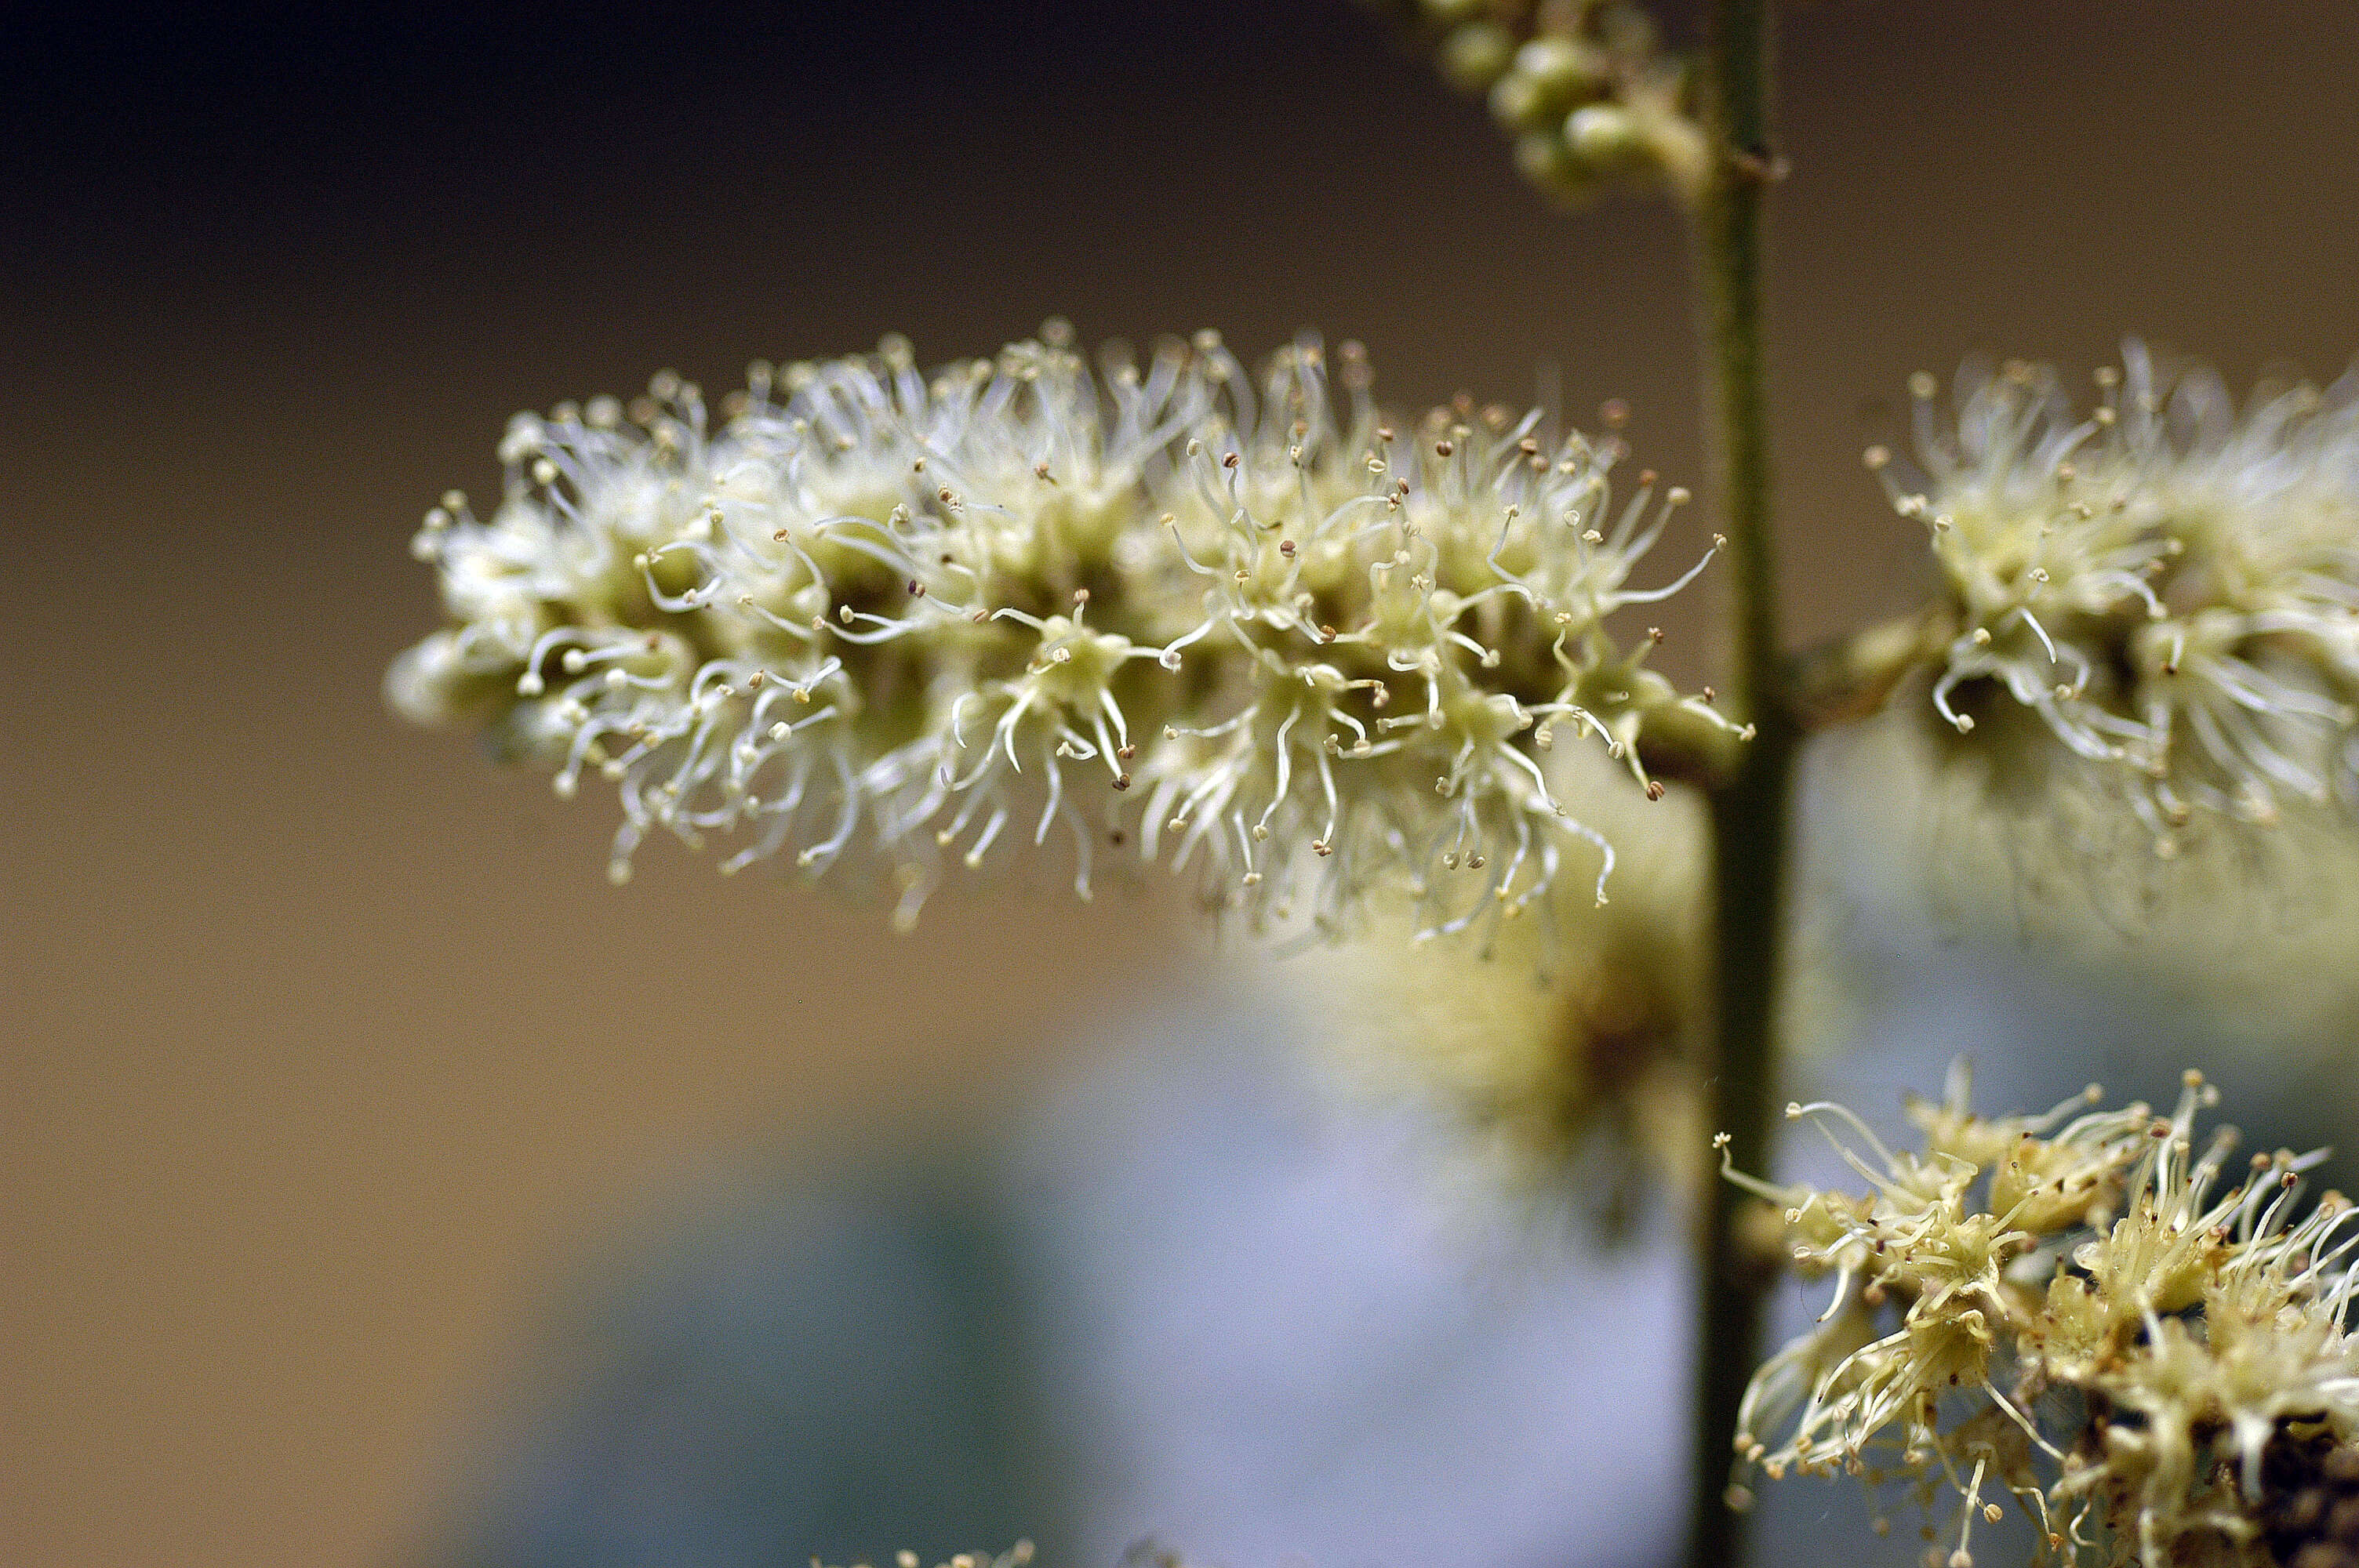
(1474, 57)
(1605, 137)
(1564, 70)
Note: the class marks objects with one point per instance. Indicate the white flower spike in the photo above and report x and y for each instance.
(2172, 588)
(1242, 627)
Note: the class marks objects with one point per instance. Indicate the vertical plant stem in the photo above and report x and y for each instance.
(1750, 810)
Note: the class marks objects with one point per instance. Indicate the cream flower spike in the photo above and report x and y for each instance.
(2061, 1308)
(1242, 627)
(2172, 588)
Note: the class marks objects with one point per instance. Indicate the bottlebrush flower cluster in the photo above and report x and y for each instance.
(2170, 587)
(1237, 624)
(2057, 1307)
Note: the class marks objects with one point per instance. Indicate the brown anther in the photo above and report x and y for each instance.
(1230, 461)
(1125, 754)
(1285, 548)
(1443, 448)
(917, 588)
(1122, 781)
(1654, 789)
(1710, 695)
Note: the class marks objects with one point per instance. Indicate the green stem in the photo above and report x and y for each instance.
(1749, 811)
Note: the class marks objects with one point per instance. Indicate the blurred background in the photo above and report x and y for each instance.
(383, 1187)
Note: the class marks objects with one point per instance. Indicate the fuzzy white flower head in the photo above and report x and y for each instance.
(1246, 628)
(2147, 1368)
(2172, 588)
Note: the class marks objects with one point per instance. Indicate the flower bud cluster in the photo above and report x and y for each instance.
(1238, 624)
(1582, 86)
(2171, 588)
(2059, 1308)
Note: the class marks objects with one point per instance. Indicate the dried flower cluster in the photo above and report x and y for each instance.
(1238, 624)
(2170, 588)
(2059, 1307)
(1582, 86)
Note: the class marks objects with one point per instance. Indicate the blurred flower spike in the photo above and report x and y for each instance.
(1019, 1555)
(2172, 588)
(1238, 625)
(2059, 1307)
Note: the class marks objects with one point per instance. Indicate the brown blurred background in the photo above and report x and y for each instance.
(330, 1053)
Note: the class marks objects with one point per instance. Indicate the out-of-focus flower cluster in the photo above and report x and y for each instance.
(2242, 940)
(2169, 589)
(2059, 1308)
(1019, 1555)
(1235, 623)
(1582, 86)
(1557, 1060)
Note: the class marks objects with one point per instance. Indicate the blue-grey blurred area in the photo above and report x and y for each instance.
(798, 1365)
(1195, 1301)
